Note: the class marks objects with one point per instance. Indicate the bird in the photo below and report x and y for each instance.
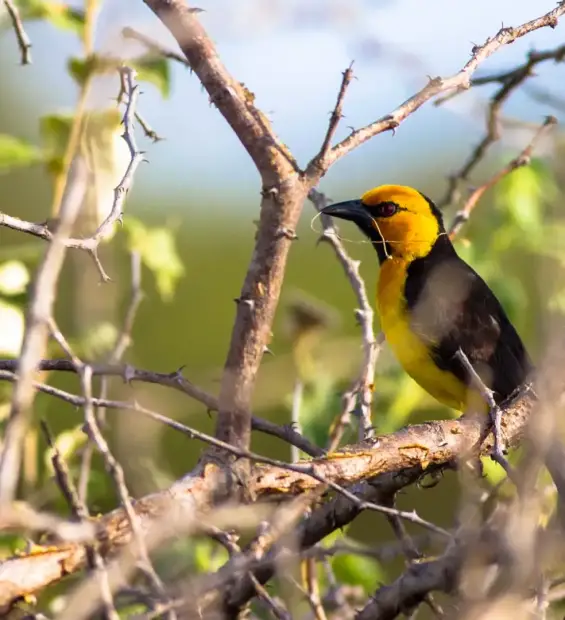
(440, 318)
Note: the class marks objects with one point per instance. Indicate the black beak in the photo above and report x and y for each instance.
(352, 210)
(348, 210)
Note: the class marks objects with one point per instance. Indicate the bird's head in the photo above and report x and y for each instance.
(400, 221)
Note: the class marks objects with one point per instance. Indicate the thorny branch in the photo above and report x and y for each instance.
(392, 462)
(174, 380)
(459, 82)
(91, 244)
(509, 82)
(523, 159)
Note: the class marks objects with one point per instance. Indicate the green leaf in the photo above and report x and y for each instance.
(55, 130)
(358, 570)
(98, 341)
(16, 153)
(58, 14)
(82, 69)
(156, 247)
(208, 557)
(523, 193)
(154, 70)
(66, 443)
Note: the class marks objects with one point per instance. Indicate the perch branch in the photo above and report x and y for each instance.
(391, 462)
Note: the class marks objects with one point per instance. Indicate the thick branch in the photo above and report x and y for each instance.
(283, 196)
(391, 461)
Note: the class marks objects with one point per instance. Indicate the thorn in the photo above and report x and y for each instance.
(177, 374)
(129, 373)
(269, 191)
(288, 233)
(248, 302)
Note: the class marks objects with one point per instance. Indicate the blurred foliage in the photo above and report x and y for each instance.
(58, 14)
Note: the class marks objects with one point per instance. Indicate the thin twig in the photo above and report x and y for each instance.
(176, 381)
(362, 388)
(123, 341)
(458, 82)
(297, 396)
(24, 42)
(80, 511)
(117, 473)
(153, 46)
(91, 244)
(523, 159)
(39, 312)
(509, 82)
(337, 112)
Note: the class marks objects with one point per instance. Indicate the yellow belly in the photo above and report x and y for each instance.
(409, 349)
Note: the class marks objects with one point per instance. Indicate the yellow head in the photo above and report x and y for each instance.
(400, 221)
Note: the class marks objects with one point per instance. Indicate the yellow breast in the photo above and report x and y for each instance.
(412, 353)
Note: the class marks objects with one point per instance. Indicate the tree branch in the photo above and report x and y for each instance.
(21, 36)
(173, 380)
(459, 82)
(283, 196)
(391, 462)
(523, 159)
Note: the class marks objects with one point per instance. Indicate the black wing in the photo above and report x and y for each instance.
(453, 308)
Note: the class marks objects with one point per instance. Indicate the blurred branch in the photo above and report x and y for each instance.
(523, 159)
(362, 388)
(413, 586)
(392, 462)
(546, 97)
(21, 36)
(123, 341)
(20, 516)
(39, 312)
(509, 82)
(173, 380)
(80, 511)
(153, 46)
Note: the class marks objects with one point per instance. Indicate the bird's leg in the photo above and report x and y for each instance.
(495, 413)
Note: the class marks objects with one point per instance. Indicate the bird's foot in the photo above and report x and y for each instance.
(498, 451)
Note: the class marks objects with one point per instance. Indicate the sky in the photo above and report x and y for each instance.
(291, 53)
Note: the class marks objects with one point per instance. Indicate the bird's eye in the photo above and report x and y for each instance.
(386, 209)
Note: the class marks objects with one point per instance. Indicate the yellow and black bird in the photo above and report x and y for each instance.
(440, 318)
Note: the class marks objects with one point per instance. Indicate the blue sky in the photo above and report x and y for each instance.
(290, 53)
